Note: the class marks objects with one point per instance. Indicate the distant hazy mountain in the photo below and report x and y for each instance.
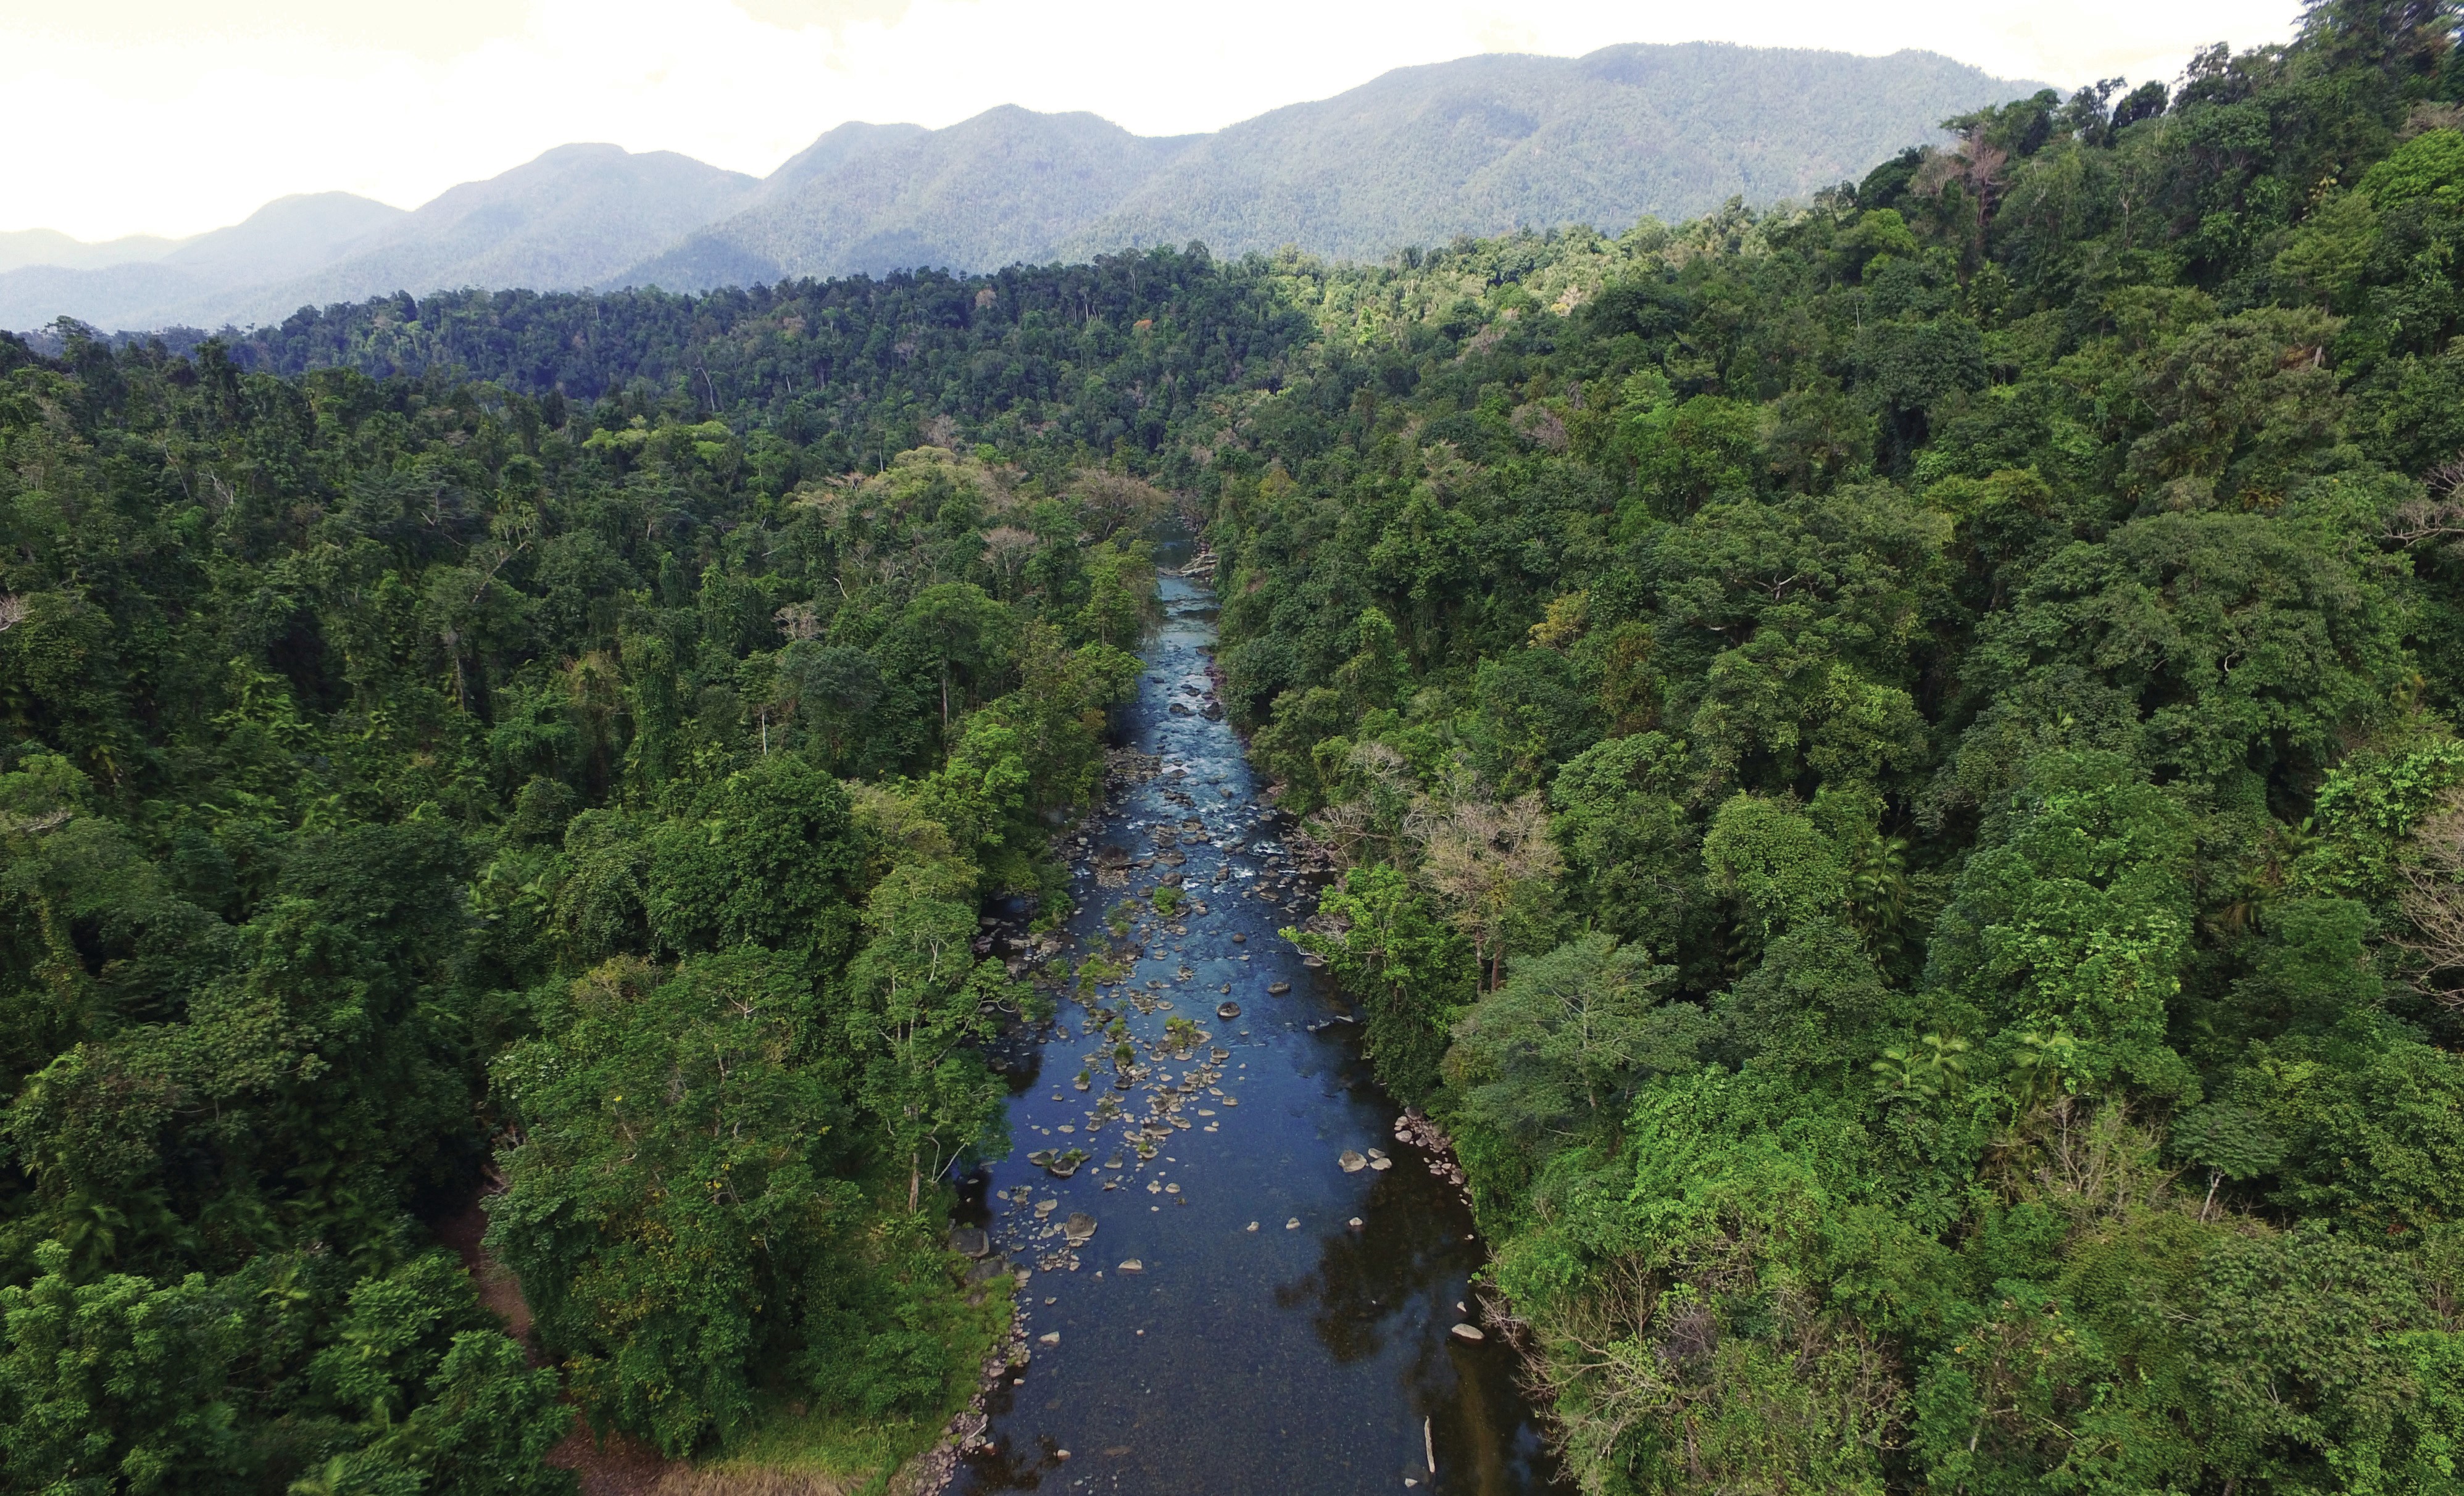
(53, 248)
(575, 217)
(835, 149)
(1008, 185)
(184, 279)
(288, 236)
(113, 296)
(1487, 144)
(1416, 156)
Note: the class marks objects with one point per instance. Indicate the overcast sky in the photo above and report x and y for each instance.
(176, 115)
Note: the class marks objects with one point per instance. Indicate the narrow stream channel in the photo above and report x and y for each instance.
(1247, 1316)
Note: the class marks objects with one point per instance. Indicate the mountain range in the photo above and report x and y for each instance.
(1416, 156)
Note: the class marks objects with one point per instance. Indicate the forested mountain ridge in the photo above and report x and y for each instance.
(1894, 762)
(1478, 146)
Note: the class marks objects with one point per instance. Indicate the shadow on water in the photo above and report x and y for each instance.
(1246, 1316)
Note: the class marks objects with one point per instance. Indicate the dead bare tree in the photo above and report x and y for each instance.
(2430, 893)
(1363, 828)
(2438, 514)
(1112, 502)
(1480, 856)
(1006, 550)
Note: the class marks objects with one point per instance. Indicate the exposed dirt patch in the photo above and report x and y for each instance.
(497, 1287)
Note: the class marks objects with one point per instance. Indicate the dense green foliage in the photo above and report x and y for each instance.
(1894, 759)
(408, 782)
(824, 377)
(1898, 764)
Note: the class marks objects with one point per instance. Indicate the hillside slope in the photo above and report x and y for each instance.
(1488, 144)
(1008, 185)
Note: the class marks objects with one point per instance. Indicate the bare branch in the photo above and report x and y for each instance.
(2432, 896)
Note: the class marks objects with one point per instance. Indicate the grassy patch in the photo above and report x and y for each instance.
(798, 1448)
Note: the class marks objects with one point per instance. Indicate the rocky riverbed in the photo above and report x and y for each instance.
(1239, 1265)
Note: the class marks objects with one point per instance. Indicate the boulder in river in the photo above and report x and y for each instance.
(1227, 1010)
(1132, 1266)
(1468, 1332)
(1350, 1161)
(970, 1240)
(1079, 1228)
(1278, 988)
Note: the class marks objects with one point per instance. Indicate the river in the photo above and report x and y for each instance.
(1288, 1327)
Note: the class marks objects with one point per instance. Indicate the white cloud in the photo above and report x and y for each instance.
(148, 119)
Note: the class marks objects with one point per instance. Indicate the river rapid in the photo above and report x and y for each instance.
(1247, 1314)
